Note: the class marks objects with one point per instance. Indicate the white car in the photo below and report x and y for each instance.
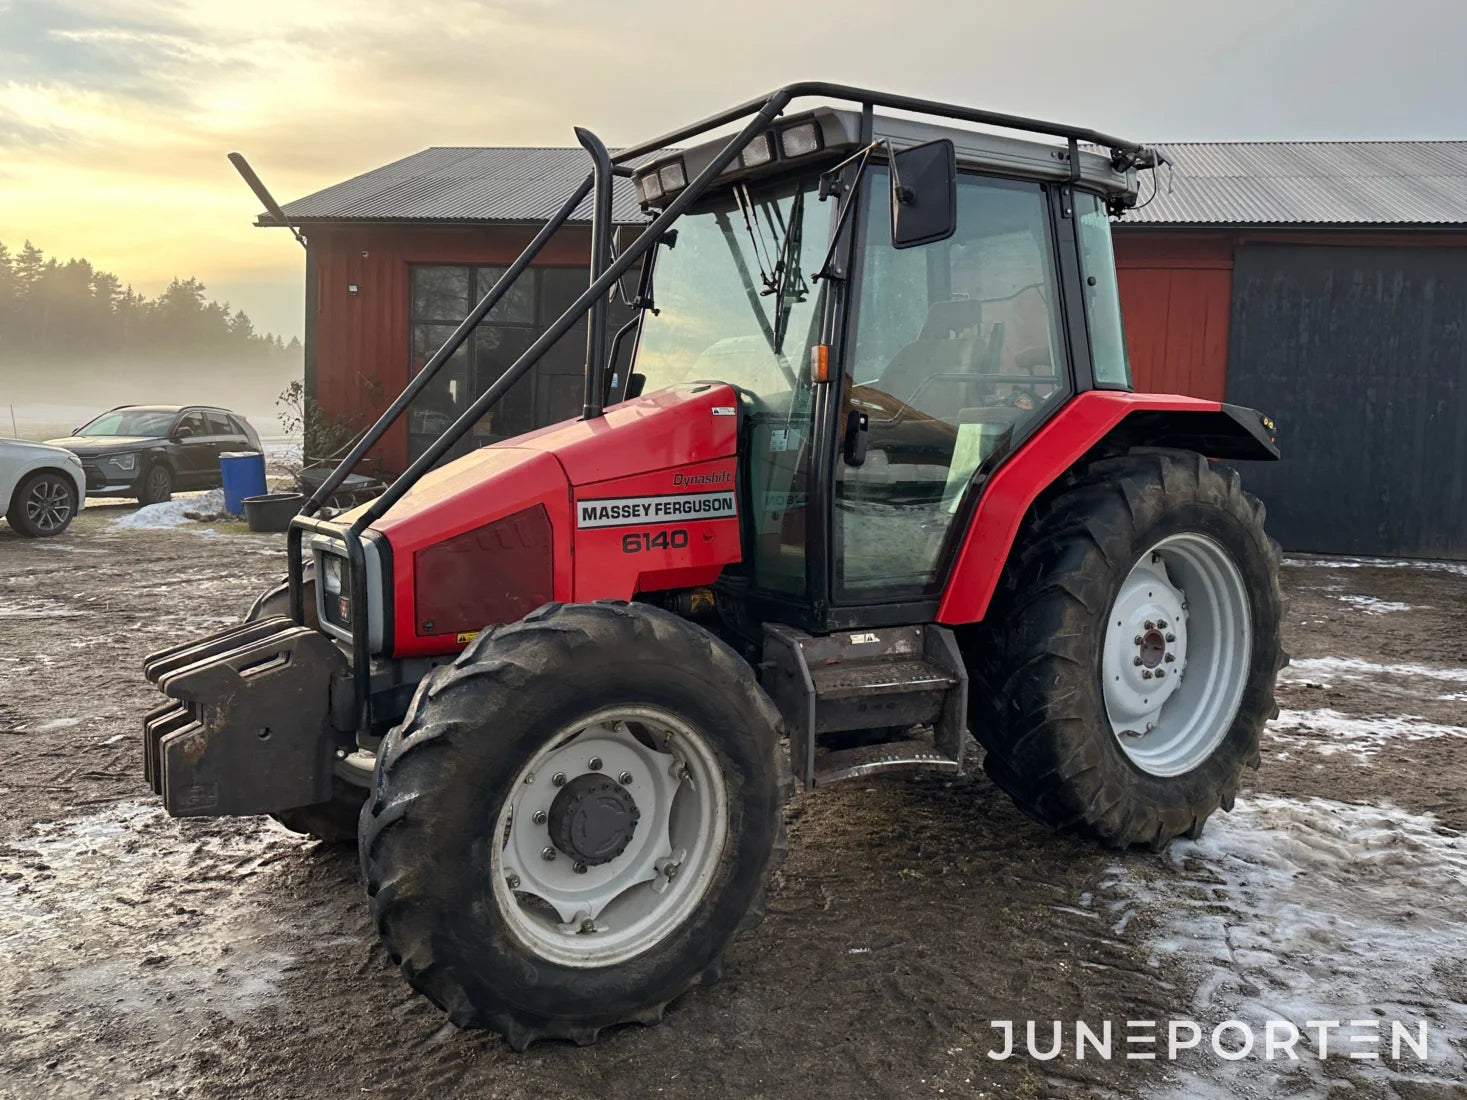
(42, 487)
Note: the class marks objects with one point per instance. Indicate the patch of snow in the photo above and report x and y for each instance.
(127, 912)
(1304, 910)
(1373, 606)
(1327, 669)
(1457, 567)
(157, 517)
(1328, 732)
(58, 724)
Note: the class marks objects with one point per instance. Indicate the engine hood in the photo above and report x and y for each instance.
(24, 449)
(104, 444)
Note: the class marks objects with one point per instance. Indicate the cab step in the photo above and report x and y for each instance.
(892, 678)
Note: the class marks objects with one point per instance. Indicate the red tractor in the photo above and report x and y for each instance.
(864, 473)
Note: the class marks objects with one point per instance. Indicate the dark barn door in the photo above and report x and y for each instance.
(1359, 355)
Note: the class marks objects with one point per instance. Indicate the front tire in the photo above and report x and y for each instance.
(574, 820)
(156, 485)
(1125, 669)
(44, 505)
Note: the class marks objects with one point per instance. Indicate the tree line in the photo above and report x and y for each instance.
(51, 308)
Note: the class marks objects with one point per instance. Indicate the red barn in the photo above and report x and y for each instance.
(1325, 282)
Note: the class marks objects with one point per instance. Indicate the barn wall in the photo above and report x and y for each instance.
(1176, 296)
(358, 343)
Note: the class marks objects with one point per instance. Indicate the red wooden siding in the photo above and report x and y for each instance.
(1176, 293)
(361, 348)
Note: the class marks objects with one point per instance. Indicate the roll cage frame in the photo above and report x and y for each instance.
(606, 269)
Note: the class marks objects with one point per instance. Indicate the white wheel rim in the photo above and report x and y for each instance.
(608, 913)
(1177, 647)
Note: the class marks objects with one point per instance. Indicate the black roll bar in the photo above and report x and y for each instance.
(605, 271)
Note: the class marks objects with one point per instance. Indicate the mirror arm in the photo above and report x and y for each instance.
(864, 155)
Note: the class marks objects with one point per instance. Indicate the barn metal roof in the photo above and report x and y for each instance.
(456, 184)
(1309, 183)
(1212, 183)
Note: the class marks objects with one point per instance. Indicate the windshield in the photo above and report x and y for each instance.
(733, 300)
(154, 422)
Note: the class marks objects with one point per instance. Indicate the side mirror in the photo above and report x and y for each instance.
(924, 194)
(630, 283)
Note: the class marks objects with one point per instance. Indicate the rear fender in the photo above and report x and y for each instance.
(1090, 420)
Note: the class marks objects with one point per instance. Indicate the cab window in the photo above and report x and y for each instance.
(957, 352)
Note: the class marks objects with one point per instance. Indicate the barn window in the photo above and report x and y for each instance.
(440, 295)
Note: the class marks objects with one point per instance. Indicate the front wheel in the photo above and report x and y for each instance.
(574, 820)
(1125, 669)
(156, 485)
(44, 505)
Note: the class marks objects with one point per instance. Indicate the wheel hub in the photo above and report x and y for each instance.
(593, 818)
(1176, 653)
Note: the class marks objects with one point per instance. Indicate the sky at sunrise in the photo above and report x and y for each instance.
(116, 115)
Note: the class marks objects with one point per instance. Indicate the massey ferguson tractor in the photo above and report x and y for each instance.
(864, 473)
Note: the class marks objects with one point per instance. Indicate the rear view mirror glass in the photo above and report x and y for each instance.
(924, 194)
(630, 283)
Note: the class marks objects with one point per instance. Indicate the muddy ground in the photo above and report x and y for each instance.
(142, 956)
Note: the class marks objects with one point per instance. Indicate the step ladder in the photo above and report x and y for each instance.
(895, 677)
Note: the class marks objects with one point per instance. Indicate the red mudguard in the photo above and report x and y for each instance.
(1081, 424)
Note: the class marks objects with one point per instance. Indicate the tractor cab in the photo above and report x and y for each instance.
(889, 299)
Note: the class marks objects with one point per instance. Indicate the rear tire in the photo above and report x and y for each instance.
(1054, 724)
(335, 820)
(465, 775)
(44, 505)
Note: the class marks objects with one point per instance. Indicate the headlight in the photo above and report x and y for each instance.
(331, 569)
(124, 464)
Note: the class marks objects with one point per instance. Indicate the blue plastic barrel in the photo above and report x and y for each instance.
(244, 476)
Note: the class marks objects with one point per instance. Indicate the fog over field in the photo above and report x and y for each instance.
(50, 398)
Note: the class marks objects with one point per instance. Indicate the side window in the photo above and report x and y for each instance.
(191, 426)
(237, 427)
(1102, 293)
(957, 351)
(219, 423)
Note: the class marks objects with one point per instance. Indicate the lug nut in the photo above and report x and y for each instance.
(594, 763)
(1160, 624)
(558, 779)
(588, 925)
(1150, 625)
(1138, 639)
(1171, 637)
(1135, 660)
(538, 817)
(1161, 672)
(547, 853)
(1170, 657)
(1146, 675)
(512, 881)
(625, 778)
(579, 867)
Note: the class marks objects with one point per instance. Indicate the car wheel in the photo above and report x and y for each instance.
(157, 485)
(44, 505)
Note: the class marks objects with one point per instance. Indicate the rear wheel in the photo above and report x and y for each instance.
(1129, 668)
(574, 820)
(44, 504)
(156, 485)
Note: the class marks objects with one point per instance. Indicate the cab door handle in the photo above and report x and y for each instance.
(856, 437)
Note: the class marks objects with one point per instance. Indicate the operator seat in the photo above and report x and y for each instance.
(951, 343)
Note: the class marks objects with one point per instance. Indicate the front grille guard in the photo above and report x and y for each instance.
(605, 271)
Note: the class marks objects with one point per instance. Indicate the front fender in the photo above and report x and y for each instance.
(1212, 428)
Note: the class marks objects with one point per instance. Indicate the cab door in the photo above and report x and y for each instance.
(955, 352)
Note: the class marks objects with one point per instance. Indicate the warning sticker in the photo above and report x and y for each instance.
(674, 508)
